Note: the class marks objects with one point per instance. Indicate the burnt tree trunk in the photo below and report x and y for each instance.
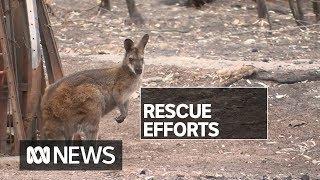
(198, 3)
(293, 9)
(300, 11)
(297, 12)
(134, 13)
(105, 5)
(262, 9)
(316, 9)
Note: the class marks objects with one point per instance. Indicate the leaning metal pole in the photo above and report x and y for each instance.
(51, 55)
(34, 89)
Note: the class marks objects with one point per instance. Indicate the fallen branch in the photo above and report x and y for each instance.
(228, 76)
(288, 77)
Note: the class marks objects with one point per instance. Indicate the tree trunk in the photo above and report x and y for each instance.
(316, 9)
(134, 13)
(296, 9)
(300, 12)
(198, 3)
(263, 12)
(262, 9)
(105, 5)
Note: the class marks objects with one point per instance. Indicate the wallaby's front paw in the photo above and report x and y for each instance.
(120, 119)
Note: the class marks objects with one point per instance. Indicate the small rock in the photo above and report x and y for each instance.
(265, 60)
(236, 6)
(279, 96)
(143, 172)
(214, 177)
(297, 62)
(306, 156)
(168, 78)
(316, 162)
(296, 123)
(288, 178)
(254, 50)
(102, 52)
(135, 95)
(249, 41)
(149, 178)
(236, 22)
(305, 177)
(180, 176)
(153, 79)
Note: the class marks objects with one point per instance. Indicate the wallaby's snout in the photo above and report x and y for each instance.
(138, 67)
(138, 70)
(134, 57)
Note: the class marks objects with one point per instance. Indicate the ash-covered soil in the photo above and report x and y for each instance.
(221, 30)
(291, 151)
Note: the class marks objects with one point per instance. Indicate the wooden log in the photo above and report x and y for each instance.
(3, 111)
(12, 83)
(3, 108)
(21, 53)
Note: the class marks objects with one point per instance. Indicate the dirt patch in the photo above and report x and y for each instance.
(222, 30)
(290, 151)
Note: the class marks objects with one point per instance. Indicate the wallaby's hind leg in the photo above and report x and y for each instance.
(91, 104)
(53, 130)
(89, 126)
(90, 130)
(69, 132)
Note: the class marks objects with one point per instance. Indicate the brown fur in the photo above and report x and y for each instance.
(76, 103)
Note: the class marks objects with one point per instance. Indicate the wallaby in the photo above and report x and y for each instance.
(74, 105)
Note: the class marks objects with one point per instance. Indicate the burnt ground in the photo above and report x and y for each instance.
(220, 34)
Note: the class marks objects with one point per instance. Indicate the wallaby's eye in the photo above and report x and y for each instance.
(131, 59)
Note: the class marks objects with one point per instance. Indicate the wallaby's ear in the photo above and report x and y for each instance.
(128, 44)
(143, 42)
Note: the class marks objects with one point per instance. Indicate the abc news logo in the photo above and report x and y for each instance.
(71, 155)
